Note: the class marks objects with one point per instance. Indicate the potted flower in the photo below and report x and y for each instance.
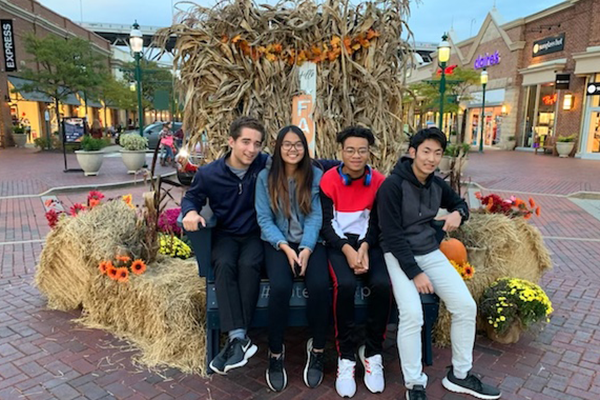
(19, 135)
(510, 306)
(510, 143)
(134, 151)
(91, 155)
(564, 145)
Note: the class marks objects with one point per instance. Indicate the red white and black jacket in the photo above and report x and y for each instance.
(350, 209)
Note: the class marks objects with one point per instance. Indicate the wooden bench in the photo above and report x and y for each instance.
(201, 244)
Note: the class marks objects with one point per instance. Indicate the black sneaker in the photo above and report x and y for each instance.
(416, 393)
(276, 375)
(470, 385)
(241, 351)
(313, 371)
(218, 363)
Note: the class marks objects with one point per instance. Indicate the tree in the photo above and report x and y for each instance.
(115, 92)
(153, 78)
(64, 67)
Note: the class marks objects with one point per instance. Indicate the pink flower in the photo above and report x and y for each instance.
(95, 194)
(77, 208)
(167, 221)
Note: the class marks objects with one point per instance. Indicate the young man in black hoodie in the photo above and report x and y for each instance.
(408, 203)
(237, 251)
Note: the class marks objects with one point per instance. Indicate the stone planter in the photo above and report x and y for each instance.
(20, 139)
(90, 161)
(512, 335)
(134, 160)
(510, 144)
(445, 164)
(564, 148)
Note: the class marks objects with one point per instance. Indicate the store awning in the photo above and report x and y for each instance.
(543, 72)
(493, 98)
(587, 63)
(18, 83)
(71, 100)
(91, 102)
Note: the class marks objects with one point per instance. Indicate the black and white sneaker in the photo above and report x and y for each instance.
(416, 393)
(241, 350)
(276, 375)
(218, 363)
(313, 370)
(470, 385)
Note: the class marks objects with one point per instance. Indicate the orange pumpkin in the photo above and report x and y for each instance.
(454, 250)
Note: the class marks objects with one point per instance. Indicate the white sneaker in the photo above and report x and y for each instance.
(374, 379)
(345, 385)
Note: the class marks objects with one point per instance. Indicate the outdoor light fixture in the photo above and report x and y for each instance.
(568, 102)
(443, 57)
(504, 110)
(484, 81)
(136, 42)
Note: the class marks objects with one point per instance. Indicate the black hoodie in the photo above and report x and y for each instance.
(407, 209)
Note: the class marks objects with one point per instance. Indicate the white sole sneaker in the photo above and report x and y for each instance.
(361, 356)
(269, 382)
(459, 389)
(305, 374)
(249, 353)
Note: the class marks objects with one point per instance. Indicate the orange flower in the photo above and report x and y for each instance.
(138, 267)
(128, 199)
(537, 211)
(93, 203)
(103, 267)
(124, 259)
(122, 274)
(478, 195)
(531, 203)
(236, 38)
(277, 48)
(519, 202)
(111, 271)
(527, 216)
(468, 272)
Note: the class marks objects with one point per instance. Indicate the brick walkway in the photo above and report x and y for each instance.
(44, 355)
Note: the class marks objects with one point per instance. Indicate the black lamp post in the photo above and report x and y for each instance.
(484, 81)
(443, 57)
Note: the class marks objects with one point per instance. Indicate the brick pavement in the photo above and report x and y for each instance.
(46, 355)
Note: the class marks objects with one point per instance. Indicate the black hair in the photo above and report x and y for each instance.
(428, 133)
(246, 122)
(355, 131)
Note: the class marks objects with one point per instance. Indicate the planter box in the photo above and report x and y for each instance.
(564, 148)
(134, 160)
(20, 139)
(90, 161)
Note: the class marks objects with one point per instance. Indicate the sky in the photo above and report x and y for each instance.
(428, 19)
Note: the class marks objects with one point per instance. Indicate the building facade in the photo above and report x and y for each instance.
(541, 70)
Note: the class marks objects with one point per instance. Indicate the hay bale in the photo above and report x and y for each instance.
(513, 248)
(74, 248)
(161, 312)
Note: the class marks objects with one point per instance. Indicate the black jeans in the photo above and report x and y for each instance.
(379, 302)
(237, 261)
(281, 278)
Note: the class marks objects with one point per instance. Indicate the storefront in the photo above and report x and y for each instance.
(588, 66)
(494, 113)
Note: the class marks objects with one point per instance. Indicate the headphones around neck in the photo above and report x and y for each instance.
(348, 180)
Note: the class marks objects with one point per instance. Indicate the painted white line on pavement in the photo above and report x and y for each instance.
(22, 242)
(571, 238)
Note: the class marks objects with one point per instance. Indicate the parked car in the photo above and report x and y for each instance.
(152, 132)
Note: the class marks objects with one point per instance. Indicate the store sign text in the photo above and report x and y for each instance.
(8, 45)
(548, 45)
(487, 60)
(550, 99)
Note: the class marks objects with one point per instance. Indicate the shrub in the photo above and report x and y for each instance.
(89, 143)
(133, 142)
(566, 139)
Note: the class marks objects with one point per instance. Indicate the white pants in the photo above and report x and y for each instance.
(450, 287)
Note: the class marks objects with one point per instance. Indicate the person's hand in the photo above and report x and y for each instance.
(303, 256)
(291, 256)
(191, 221)
(351, 257)
(362, 259)
(423, 283)
(451, 221)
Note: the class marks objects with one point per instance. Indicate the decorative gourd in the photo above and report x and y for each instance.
(454, 250)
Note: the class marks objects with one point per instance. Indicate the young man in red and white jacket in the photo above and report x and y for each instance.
(351, 230)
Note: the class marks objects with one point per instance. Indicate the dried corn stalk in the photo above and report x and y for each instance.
(239, 58)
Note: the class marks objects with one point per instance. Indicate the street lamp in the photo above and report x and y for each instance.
(136, 41)
(484, 81)
(443, 57)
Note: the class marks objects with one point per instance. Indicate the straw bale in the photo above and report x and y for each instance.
(219, 82)
(161, 312)
(512, 247)
(74, 248)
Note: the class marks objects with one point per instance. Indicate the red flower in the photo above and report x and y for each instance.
(537, 211)
(531, 202)
(95, 194)
(53, 216)
(122, 275)
(138, 267)
(77, 208)
(103, 267)
(478, 195)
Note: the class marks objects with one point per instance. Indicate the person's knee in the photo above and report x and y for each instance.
(468, 308)
(280, 289)
(345, 287)
(224, 267)
(381, 286)
(248, 264)
(411, 315)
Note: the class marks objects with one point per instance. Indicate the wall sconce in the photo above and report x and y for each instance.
(568, 102)
(504, 110)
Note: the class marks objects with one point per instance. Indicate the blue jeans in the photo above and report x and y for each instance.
(169, 152)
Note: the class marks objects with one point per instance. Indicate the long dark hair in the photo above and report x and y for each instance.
(278, 182)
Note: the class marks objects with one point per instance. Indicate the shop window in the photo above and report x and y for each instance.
(529, 116)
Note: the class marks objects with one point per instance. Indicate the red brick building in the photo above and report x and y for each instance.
(20, 17)
(525, 60)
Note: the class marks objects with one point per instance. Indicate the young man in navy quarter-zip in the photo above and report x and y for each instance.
(409, 201)
(237, 250)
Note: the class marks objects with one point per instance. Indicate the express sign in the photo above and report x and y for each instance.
(8, 45)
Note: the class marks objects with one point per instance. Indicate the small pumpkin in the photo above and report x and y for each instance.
(454, 250)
